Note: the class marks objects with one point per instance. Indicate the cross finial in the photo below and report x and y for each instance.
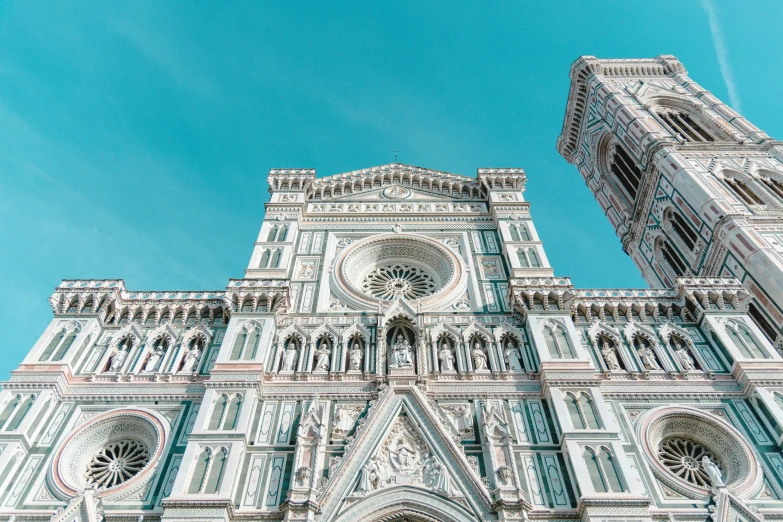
(395, 155)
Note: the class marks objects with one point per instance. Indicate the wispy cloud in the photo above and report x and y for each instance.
(720, 51)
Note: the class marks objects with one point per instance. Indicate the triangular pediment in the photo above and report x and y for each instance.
(403, 446)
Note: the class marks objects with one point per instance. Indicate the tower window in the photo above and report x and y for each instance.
(762, 322)
(682, 125)
(683, 230)
(774, 186)
(743, 192)
(626, 171)
(672, 258)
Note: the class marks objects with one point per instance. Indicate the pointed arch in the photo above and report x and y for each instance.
(744, 340)
(218, 412)
(557, 341)
(275, 262)
(264, 261)
(198, 480)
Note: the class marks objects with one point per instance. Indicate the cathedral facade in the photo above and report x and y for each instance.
(399, 348)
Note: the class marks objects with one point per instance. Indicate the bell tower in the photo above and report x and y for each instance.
(690, 186)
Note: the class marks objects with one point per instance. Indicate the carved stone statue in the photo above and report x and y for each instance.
(460, 416)
(344, 419)
(479, 358)
(289, 358)
(370, 477)
(322, 358)
(436, 475)
(683, 357)
(191, 359)
(153, 361)
(512, 357)
(356, 355)
(446, 357)
(401, 356)
(118, 359)
(714, 472)
(647, 357)
(610, 357)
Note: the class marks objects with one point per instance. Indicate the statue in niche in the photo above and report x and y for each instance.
(512, 357)
(153, 361)
(322, 358)
(118, 358)
(446, 357)
(289, 358)
(355, 356)
(345, 417)
(682, 356)
(610, 357)
(191, 358)
(479, 358)
(401, 356)
(647, 356)
(714, 472)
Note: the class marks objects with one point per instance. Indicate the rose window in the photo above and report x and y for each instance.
(116, 463)
(398, 280)
(683, 457)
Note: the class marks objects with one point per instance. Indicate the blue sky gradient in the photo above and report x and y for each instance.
(135, 137)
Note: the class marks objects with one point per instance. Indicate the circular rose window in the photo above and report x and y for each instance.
(112, 452)
(682, 443)
(387, 267)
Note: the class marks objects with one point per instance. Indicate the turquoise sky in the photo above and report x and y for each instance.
(135, 138)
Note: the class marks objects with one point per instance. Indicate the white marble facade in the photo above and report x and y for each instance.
(399, 348)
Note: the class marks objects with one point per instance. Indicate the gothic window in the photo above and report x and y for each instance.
(522, 258)
(198, 481)
(534, 262)
(275, 263)
(743, 191)
(557, 342)
(774, 186)
(762, 322)
(682, 125)
(581, 411)
(744, 341)
(603, 470)
(514, 233)
(217, 465)
(264, 263)
(225, 412)
(523, 233)
(15, 412)
(230, 422)
(245, 344)
(681, 229)
(272, 234)
(283, 233)
(626, 171)
(671, 258)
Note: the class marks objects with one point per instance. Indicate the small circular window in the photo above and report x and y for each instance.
(116, 463)
(684, 458)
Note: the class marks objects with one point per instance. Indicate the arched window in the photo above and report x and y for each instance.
(588, 410)
(743, 191)
(671, 258)
(218, 413)
(762, 322)
(216, 472)
(534, 262)
(626, 171)
(198, 480)
(557, 342)
(773, 185)
(264, 263)
(594, 470)
(683, 230)
(20, 413)
(230, 422)
(9, 409)
(610, 471)
(65, 345)
(53, 344)
(251, 345)
(272, 234)
(522, 258)
(283, 233)
(744, 342)
(682, 125)
(275, 263)
(514, 233)
(523, 233)
(572, 404)
(239, 345)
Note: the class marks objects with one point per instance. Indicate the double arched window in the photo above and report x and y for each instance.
(528, 258)
(270, 259)
(679, 229)
(519, 233)
(744, 341)
(625, 170)
(277, 233)
(208, 472)
(743, 191)
(14, 411)
(59, 344)
(681, 124)
(670, 258)
(581, 411)
(557, 341)
(246, 343)
(603, 469)
(225, 412)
